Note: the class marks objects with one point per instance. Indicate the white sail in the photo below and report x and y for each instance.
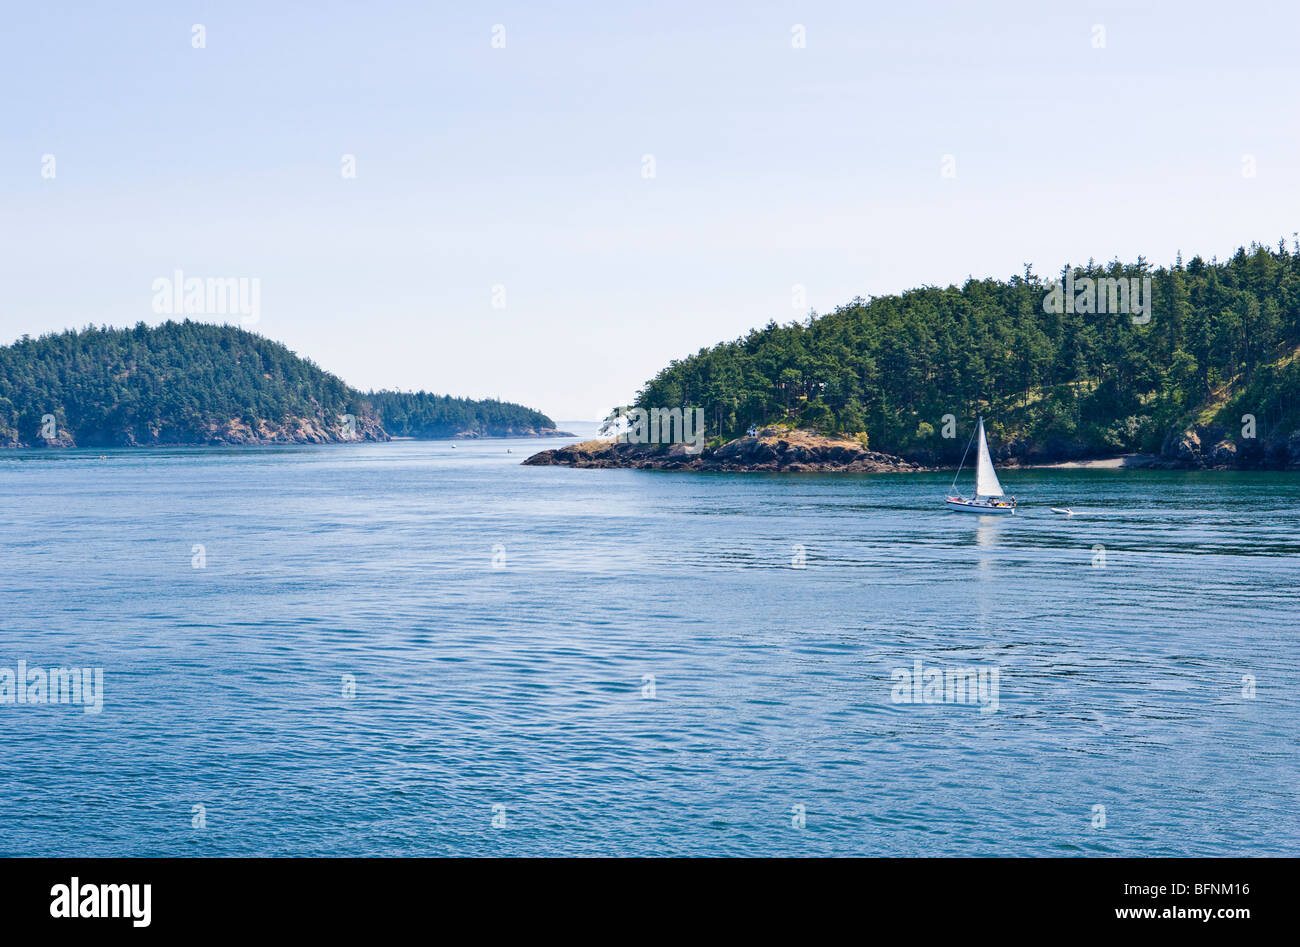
(986, 478)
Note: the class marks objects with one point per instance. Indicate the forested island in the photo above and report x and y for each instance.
(1207, 376)
(197, 383)
(424, 415)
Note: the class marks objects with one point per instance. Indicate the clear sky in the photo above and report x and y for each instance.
(522, 167)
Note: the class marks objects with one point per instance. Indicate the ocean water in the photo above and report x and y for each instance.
(405, 649)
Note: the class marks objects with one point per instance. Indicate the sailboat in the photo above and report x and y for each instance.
(988, 497)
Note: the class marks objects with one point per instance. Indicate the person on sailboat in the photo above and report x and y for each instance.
(989, 496)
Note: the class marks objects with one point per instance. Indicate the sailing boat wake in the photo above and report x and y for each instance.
(988, 497)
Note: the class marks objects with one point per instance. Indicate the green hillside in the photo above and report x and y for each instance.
(1221, 342)
(424, 415)
(196, 383)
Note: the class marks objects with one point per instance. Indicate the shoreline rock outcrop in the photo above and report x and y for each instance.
(1213, 447)
(769, 450)
(1200, 447)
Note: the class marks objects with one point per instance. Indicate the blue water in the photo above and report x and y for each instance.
(523, 687)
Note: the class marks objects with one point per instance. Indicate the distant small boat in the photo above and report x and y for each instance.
(988, 498)
(1064, 511)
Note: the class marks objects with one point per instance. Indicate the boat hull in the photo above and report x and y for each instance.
(973, 506)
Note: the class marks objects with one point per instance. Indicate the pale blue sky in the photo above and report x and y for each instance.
(522, 166)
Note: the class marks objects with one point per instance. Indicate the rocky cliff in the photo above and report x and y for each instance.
(1214, 447)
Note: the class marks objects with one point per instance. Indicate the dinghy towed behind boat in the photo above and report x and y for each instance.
(988, 497)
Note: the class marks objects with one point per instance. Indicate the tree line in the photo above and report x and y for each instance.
(179, 382)
(1221, 340)
(424, 415)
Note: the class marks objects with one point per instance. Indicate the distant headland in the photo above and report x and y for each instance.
(1190, 366)
(192, 383)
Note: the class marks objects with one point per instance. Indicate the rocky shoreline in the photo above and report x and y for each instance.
(1202, 447)
(237, 433)
(771, 450)
(1209, 447)
(233, 433)
(509, 432)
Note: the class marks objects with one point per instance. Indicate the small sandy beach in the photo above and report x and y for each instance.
(1104, 463)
